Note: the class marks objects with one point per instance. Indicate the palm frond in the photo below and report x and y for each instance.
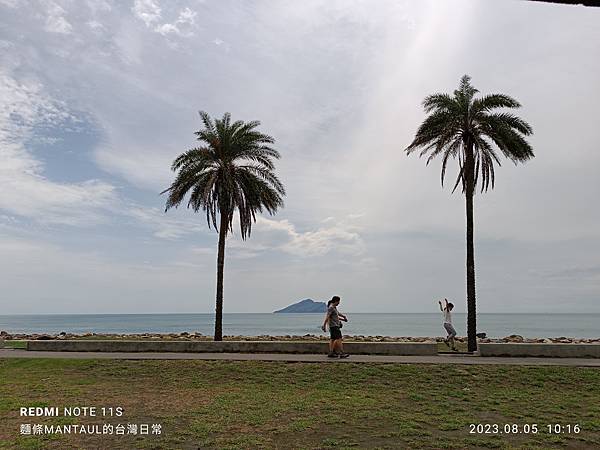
(441, 102)
(436, 124)
(507, 120)
(451, 151)
(493, 101)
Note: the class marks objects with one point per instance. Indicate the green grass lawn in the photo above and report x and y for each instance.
(15, 344)
(460, 346)
(263, 405)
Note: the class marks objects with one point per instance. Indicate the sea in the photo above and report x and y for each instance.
(257, 324)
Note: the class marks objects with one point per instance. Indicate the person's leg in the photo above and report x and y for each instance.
(337, 345)
(449, 341)
(340, 345)
(451, 336)
(332, 353)
(446, 338)
(333, 337)
(341, 349)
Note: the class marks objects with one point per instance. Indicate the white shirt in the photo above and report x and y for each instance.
(447, 317)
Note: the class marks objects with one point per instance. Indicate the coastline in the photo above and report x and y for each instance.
(185, 336)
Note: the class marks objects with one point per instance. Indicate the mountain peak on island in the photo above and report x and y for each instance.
(304, 306)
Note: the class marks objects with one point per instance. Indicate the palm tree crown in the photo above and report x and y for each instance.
(461, 121)
(233, 169)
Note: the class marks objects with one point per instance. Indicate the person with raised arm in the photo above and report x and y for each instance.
(446, 309)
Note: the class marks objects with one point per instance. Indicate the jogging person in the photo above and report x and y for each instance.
(446, 309)
(333, 319)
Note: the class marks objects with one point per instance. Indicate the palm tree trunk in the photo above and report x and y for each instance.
(220, 267)
(469, 192)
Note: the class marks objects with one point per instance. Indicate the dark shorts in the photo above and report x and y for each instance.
(335, 332)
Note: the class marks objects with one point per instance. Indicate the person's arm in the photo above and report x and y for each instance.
(446, 304)
(325, 321)
(440, 303)
(343, 317)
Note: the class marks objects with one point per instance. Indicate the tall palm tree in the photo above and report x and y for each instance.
(232, 170)
(464, 127)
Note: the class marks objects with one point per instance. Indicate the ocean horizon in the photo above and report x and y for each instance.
(495, 325)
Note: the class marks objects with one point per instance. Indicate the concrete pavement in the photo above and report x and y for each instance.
(311, 358)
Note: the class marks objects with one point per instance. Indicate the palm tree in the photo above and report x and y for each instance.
(232, 170)
(464, 127)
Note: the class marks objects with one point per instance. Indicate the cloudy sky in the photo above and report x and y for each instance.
(98, 97)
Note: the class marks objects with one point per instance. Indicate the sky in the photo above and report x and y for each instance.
(98, 98)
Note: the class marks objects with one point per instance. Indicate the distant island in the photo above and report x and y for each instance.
(304, 306)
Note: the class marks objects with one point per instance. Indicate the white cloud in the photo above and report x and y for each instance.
(339, 237)
(147, 11)
(26, 191)
(55, 18)
(165, 226)
(99, 6)
(10, 3)
(141, 167)
(188, 16)
(325, 240)
(95, 25)
(166, 28)
(150, 12)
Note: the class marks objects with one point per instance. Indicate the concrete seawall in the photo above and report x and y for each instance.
(547, 350)
(356, 348)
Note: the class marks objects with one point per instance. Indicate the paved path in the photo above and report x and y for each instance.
(440, 359)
